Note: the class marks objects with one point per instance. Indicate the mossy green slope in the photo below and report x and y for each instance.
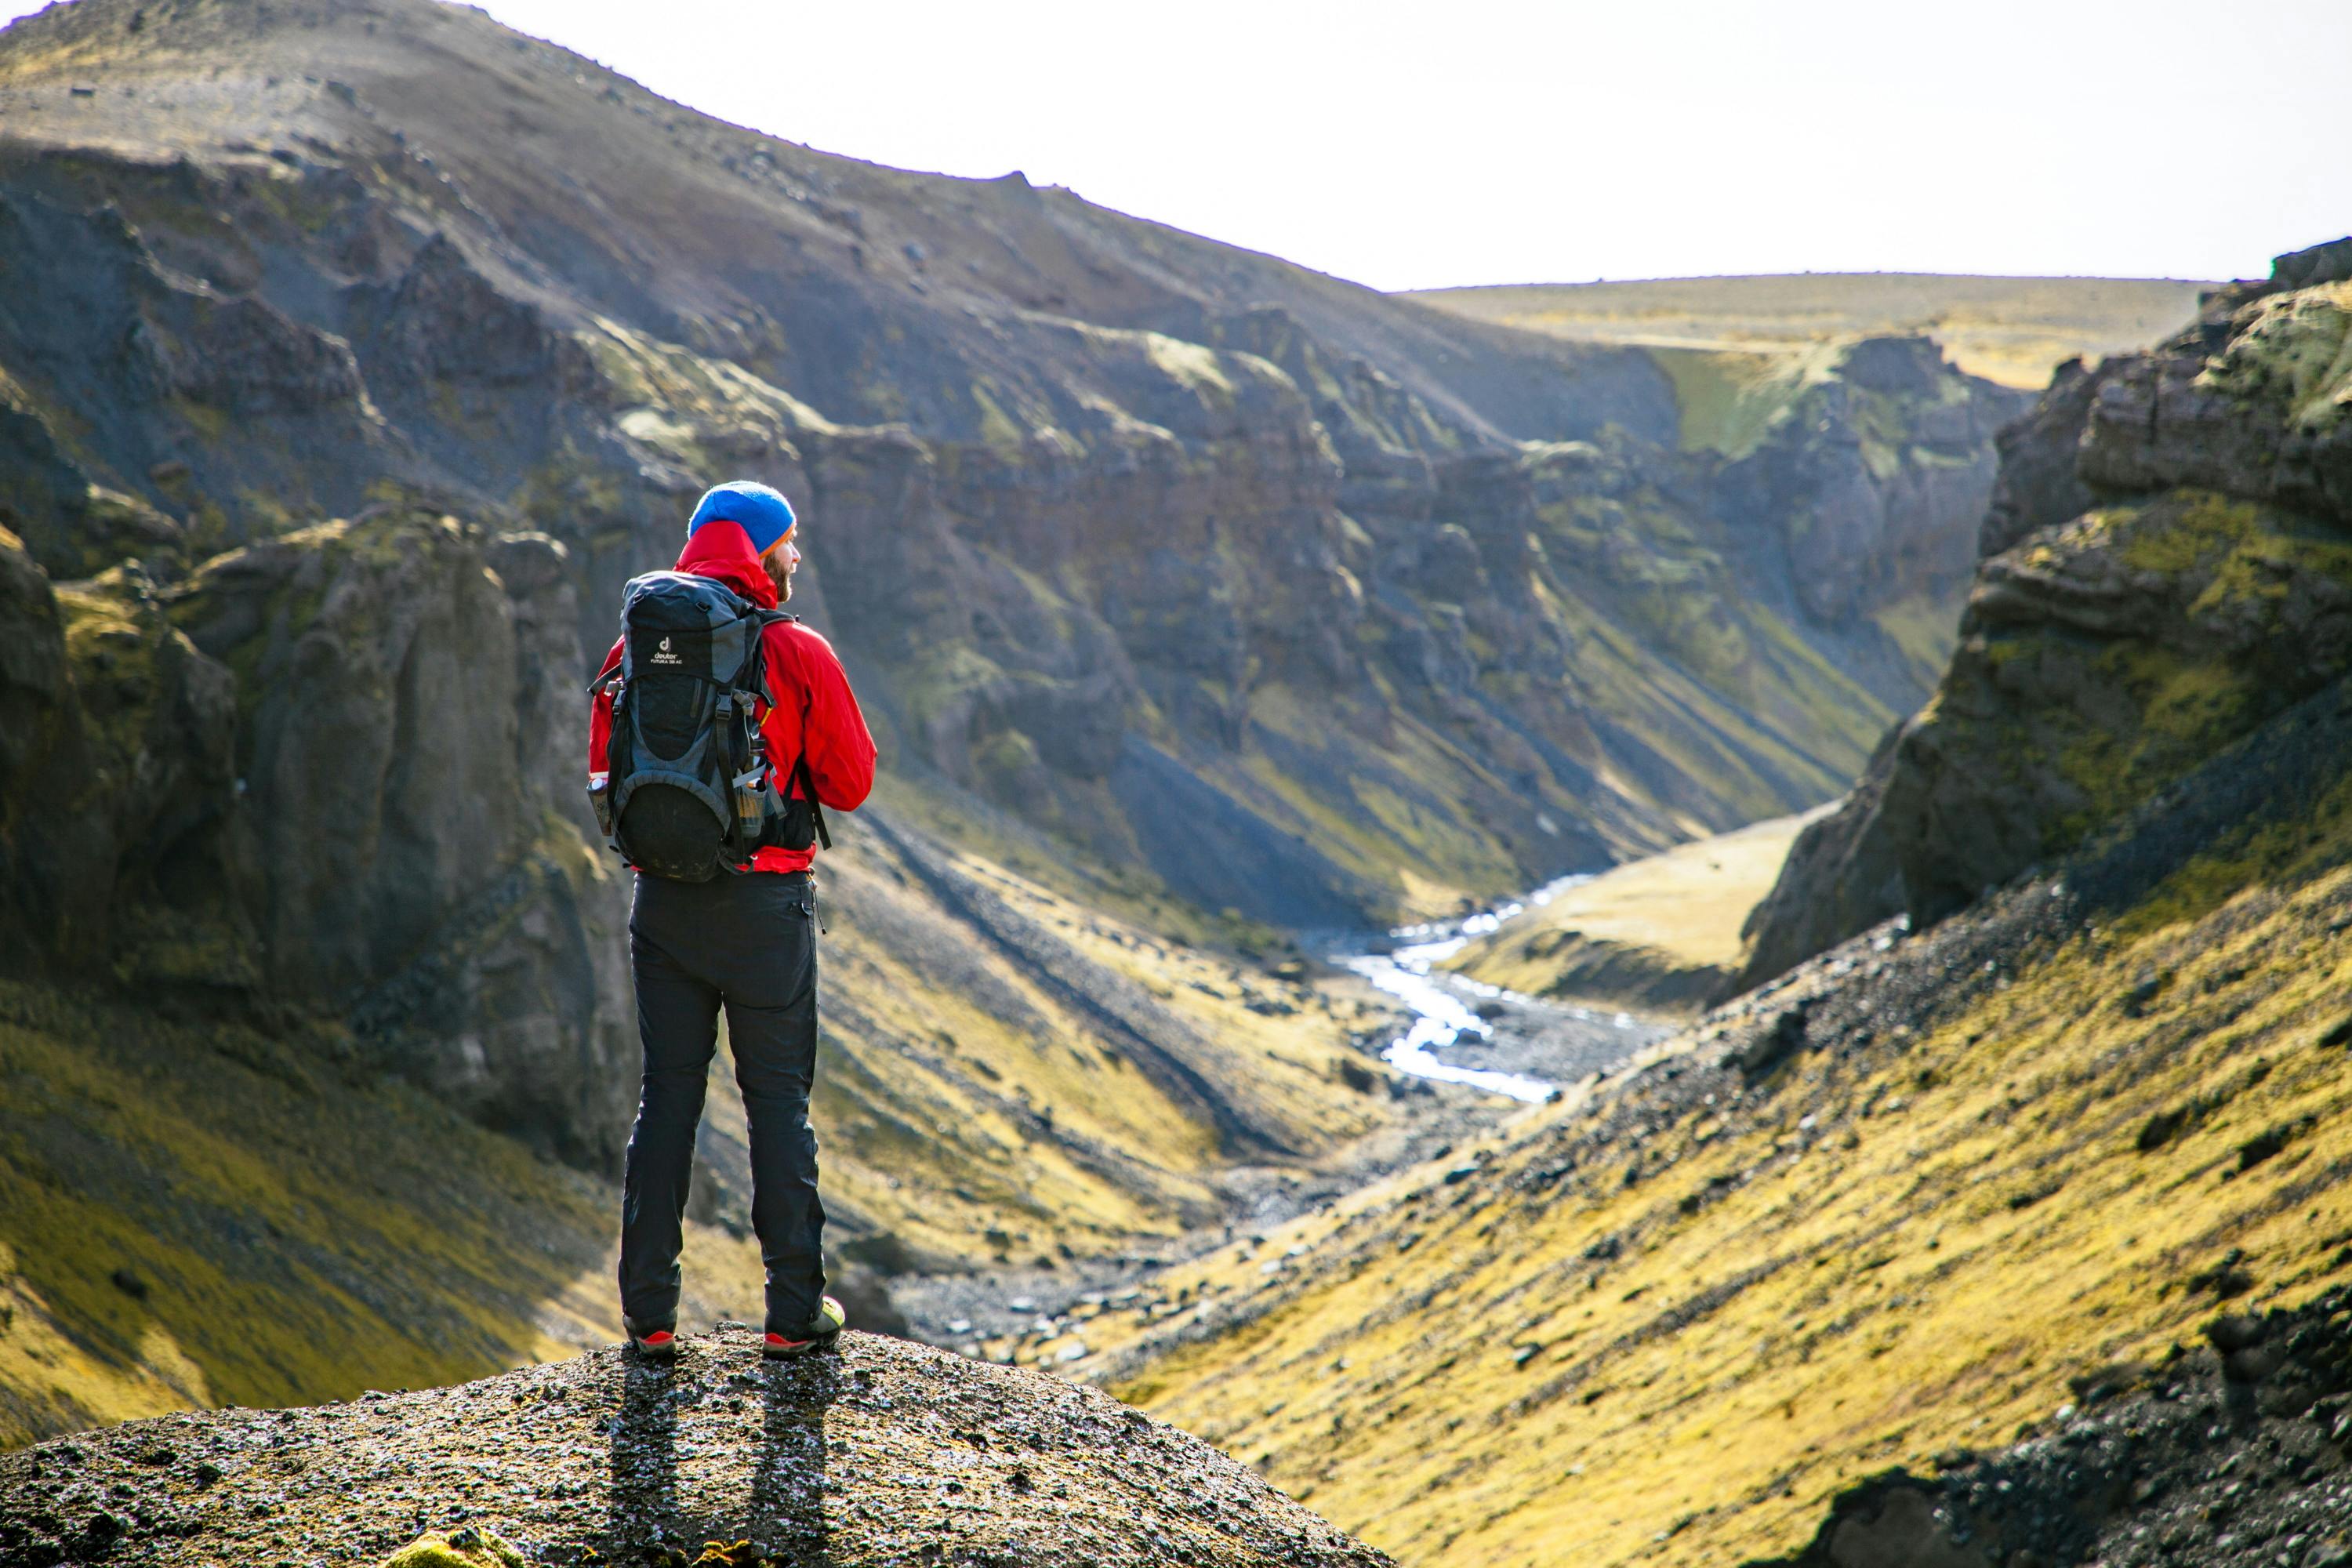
(1887, 1211)
(196, 1214)
(1006, 1070)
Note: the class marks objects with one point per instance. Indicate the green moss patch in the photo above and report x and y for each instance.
(467, 1548)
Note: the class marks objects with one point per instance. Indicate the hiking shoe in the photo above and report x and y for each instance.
(654, 1344)
(819, 1335)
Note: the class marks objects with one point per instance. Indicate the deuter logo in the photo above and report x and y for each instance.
(663, 656)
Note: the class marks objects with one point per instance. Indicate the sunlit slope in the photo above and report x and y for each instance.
(2010, 330)
(1667, 1323)
(197, 1215)
(1662, 933)
(1009, 1074)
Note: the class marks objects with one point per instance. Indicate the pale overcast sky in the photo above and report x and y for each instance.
(1481, 141)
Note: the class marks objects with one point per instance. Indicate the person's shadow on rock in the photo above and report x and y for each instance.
(788, 1475)
(644, 1490)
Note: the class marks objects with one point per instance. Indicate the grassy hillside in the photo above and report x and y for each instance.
(1885, 1212)
(1661, 933)
(199, 1214)
(2010, 330)
(1010, 1074)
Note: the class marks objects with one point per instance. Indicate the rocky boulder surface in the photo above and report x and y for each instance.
(2168, 564)
(2231, 1452)
(883, 1452)
(319, 773)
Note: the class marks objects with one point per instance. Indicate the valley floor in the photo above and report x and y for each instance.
(1040, 1316)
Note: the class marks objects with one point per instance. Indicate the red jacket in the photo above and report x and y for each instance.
(813, 706)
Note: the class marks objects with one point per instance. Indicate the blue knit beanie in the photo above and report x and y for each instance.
(762, 513)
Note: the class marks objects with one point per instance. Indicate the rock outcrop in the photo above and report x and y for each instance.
(2130, 1477)
(1876, 476)
(884, 1452)
(318, 774)
(2168, 563)
(116, 773)
(1233, 580)
(408, 790)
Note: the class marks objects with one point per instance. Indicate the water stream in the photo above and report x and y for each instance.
(1444, 1013)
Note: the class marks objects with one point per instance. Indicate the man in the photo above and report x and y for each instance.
(746, 943)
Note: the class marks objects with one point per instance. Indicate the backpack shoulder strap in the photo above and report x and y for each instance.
(758, 662)
(606, 676)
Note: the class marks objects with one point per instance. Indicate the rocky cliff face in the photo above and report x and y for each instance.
(2168, 563)
(1873, 474)
(1234, 581)
(302, 777)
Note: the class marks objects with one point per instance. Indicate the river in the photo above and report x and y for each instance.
(1539, 1045)
(1508, 1047)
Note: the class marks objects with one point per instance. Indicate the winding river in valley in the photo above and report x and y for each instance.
(1524, 1048)
(1474, 1052)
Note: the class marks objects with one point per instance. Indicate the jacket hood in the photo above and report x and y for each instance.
(721, 550)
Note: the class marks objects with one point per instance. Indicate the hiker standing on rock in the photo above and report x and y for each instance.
(722, 728)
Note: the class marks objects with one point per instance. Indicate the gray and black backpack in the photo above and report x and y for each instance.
(688, 792)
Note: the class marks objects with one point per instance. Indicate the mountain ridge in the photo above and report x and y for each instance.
(2012, 329)
(1234, 587)
(1463, 387)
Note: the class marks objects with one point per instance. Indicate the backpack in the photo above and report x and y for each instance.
(688, 792)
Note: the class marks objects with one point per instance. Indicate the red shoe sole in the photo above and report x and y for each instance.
(793, 1350)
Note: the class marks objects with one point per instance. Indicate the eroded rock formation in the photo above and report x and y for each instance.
(1238, 581)
(2168, 564)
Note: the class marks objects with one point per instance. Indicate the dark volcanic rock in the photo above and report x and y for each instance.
(2168, 564)
(324, 771)
(2039, 484)
(117, 783)
(2232, 1457)
(408, 794)
(885, 1452)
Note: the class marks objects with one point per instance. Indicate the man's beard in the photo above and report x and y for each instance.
(783, 581)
